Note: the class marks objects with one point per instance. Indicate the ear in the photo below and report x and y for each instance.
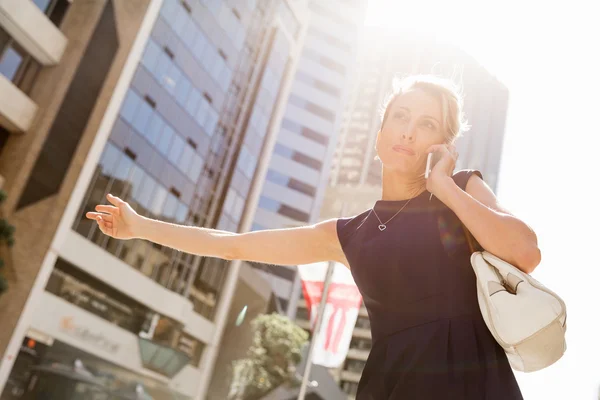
(377, 144)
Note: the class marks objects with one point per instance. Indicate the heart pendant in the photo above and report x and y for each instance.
(382, 227)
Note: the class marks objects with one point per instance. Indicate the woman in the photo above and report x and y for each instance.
(408, 254)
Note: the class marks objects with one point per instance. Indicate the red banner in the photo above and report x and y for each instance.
(341, 311)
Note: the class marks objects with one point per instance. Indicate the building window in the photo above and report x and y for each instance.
(186, 6)
(314, 135)
(247, 162)
(318, 84)
(303, 314)
(213, 60)
(355, 366)
(313, 31)
(302, 187)
(275, 206)
(170, 76)
(283, 180)
(16, 64)
(312, 108)
(350, 388)
(301, 158)
(54, 9)
(11, 61)
(324, 61)
(363, 322)
(86, 292)
(296, 128)
(361, 344)
(269, 204)
(42, 4)
(141, 114)
(293, 213)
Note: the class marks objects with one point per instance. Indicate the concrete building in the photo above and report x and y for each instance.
(173, 105)
(355, 175)
(299, 169)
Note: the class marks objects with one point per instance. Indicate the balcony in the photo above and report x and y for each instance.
(350, 376)
(358, 354)
(16, 109)
(304, 324)
(361, 333)
(30, 27)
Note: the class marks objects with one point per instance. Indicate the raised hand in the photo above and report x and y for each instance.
(118, 220)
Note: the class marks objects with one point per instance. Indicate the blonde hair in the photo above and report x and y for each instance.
(445, 90)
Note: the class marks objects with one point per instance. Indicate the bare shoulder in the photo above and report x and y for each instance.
(480, 191)
(287, 246)
(327, 230)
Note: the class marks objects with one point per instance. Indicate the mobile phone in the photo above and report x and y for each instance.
(432, 159)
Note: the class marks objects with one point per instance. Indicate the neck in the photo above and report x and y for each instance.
(401, 186)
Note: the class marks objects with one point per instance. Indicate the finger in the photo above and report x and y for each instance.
(114, 200)
(105, 227)
(112, 210)
(94, 215)
(437, 147)
(453, 152)
(101, 225)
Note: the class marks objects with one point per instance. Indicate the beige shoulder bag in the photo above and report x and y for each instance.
(527, 319)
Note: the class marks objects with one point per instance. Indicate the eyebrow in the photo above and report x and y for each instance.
(426, 116)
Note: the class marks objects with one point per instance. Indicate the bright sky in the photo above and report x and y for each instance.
(547, 54)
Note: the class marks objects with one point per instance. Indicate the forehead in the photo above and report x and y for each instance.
(419, 102)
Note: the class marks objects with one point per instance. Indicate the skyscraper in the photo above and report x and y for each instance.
(300, 165)
(168, 104)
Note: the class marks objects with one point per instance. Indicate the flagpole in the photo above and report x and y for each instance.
(318, 322)
(316, 330)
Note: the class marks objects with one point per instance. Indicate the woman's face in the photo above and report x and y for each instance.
(413, 124)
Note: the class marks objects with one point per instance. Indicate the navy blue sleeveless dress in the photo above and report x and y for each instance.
(429, 338)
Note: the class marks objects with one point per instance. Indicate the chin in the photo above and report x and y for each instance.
(400, 167)
(400, 163)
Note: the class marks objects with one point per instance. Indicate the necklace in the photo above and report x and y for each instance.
(382, 225)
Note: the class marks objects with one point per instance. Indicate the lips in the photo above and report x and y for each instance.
(404, 150)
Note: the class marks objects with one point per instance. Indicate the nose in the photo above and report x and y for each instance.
(409, 133)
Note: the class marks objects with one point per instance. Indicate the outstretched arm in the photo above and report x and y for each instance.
(291, 246)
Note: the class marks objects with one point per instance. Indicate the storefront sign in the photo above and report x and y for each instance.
(73, 326)
(69, 325)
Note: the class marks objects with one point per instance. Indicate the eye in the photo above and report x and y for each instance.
(429, 125)
(401, 115)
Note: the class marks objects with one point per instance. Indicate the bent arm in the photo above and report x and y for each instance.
(496, 230)
(291, 246)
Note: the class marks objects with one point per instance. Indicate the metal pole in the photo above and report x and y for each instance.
(318, 322)
(320, 315)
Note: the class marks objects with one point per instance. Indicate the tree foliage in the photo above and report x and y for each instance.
(271, 360)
